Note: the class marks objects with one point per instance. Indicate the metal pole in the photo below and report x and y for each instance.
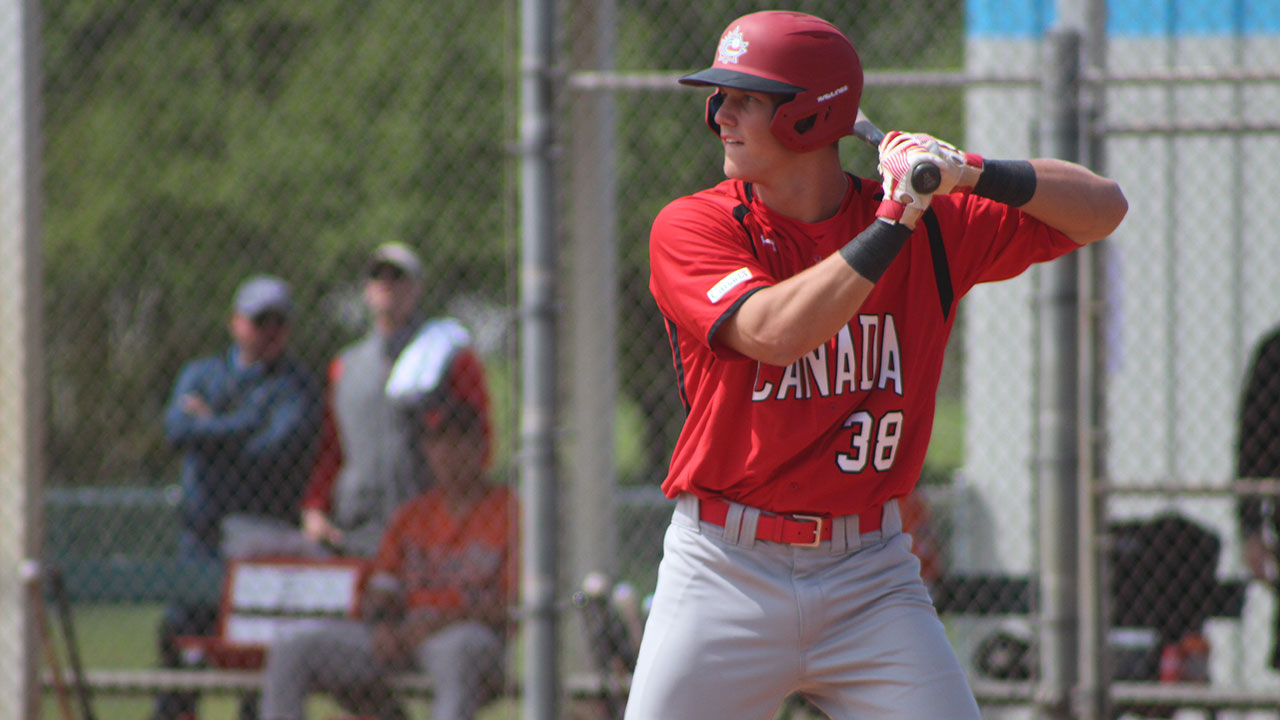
(593, 308)
(21, 353)
(1093, 698)
(539, 570)
(1058, 452)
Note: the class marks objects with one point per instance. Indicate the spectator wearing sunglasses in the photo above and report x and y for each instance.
(366, 466)
(246, 422)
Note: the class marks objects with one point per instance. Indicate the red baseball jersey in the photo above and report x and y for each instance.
(846, 427)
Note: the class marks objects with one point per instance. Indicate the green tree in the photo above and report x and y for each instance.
(191, 143)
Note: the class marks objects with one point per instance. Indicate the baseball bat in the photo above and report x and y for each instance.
(69, 637)
(925, 176)
(60, 689)
(31, 573)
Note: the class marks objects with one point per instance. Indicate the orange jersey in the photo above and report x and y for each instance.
(450, 562)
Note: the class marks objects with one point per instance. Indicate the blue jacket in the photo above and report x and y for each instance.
(255, 452)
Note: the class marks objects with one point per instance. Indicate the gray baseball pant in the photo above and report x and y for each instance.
(739, 624)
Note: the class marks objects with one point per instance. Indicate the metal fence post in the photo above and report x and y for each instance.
(539, 574)
(21, 352)
(592, 312)
(1057, 461)
(1092, 700)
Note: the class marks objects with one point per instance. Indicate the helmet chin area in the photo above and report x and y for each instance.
(714, 101)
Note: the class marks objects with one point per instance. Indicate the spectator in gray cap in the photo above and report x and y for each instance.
(246, 421)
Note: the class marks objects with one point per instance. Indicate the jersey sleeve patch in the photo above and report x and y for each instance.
(727, 283)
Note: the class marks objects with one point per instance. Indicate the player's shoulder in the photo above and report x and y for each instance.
(707, 216)
(716, 201)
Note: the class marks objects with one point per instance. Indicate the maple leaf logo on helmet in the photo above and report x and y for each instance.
(732, 47)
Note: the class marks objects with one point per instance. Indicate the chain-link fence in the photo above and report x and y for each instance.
(222, 438)
(196, 506)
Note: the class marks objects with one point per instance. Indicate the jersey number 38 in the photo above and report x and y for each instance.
(872, 441)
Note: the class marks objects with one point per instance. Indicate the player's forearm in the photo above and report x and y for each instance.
(1073, 200)
(782, 323)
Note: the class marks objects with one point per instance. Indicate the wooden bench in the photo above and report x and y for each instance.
(260, 599)
(223, 681)
(204, 680)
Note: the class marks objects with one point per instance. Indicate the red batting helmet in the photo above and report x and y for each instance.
(795, 54)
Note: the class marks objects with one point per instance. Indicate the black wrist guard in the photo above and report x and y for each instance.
(1011, 182)
(871, 251)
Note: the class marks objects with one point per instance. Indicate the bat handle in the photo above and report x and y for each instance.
(925, 177)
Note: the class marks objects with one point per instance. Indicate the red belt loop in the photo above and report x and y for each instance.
(793, 529)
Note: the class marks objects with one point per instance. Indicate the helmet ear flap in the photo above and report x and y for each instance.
(714, 101)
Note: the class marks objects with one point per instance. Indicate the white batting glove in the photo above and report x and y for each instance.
(899, 153)
(960, 170)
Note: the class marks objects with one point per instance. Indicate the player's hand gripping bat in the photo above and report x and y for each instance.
(925, 176)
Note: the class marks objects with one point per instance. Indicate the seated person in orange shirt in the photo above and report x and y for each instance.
(926, 541)
(436, 598)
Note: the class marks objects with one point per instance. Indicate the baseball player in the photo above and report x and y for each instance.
(808, 310)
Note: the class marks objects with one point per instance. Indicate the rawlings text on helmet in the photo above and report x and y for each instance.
(838, 91)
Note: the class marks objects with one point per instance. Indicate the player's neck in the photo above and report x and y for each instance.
(809, 192)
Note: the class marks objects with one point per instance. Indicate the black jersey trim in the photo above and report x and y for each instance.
(941, 268)
(678, 361)
(731, 310)
(740, 213)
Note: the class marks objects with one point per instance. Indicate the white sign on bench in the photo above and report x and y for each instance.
(265, 599)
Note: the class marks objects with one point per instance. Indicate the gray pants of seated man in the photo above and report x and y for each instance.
(464, 662)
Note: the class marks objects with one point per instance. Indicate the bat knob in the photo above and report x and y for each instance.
(925, 177)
